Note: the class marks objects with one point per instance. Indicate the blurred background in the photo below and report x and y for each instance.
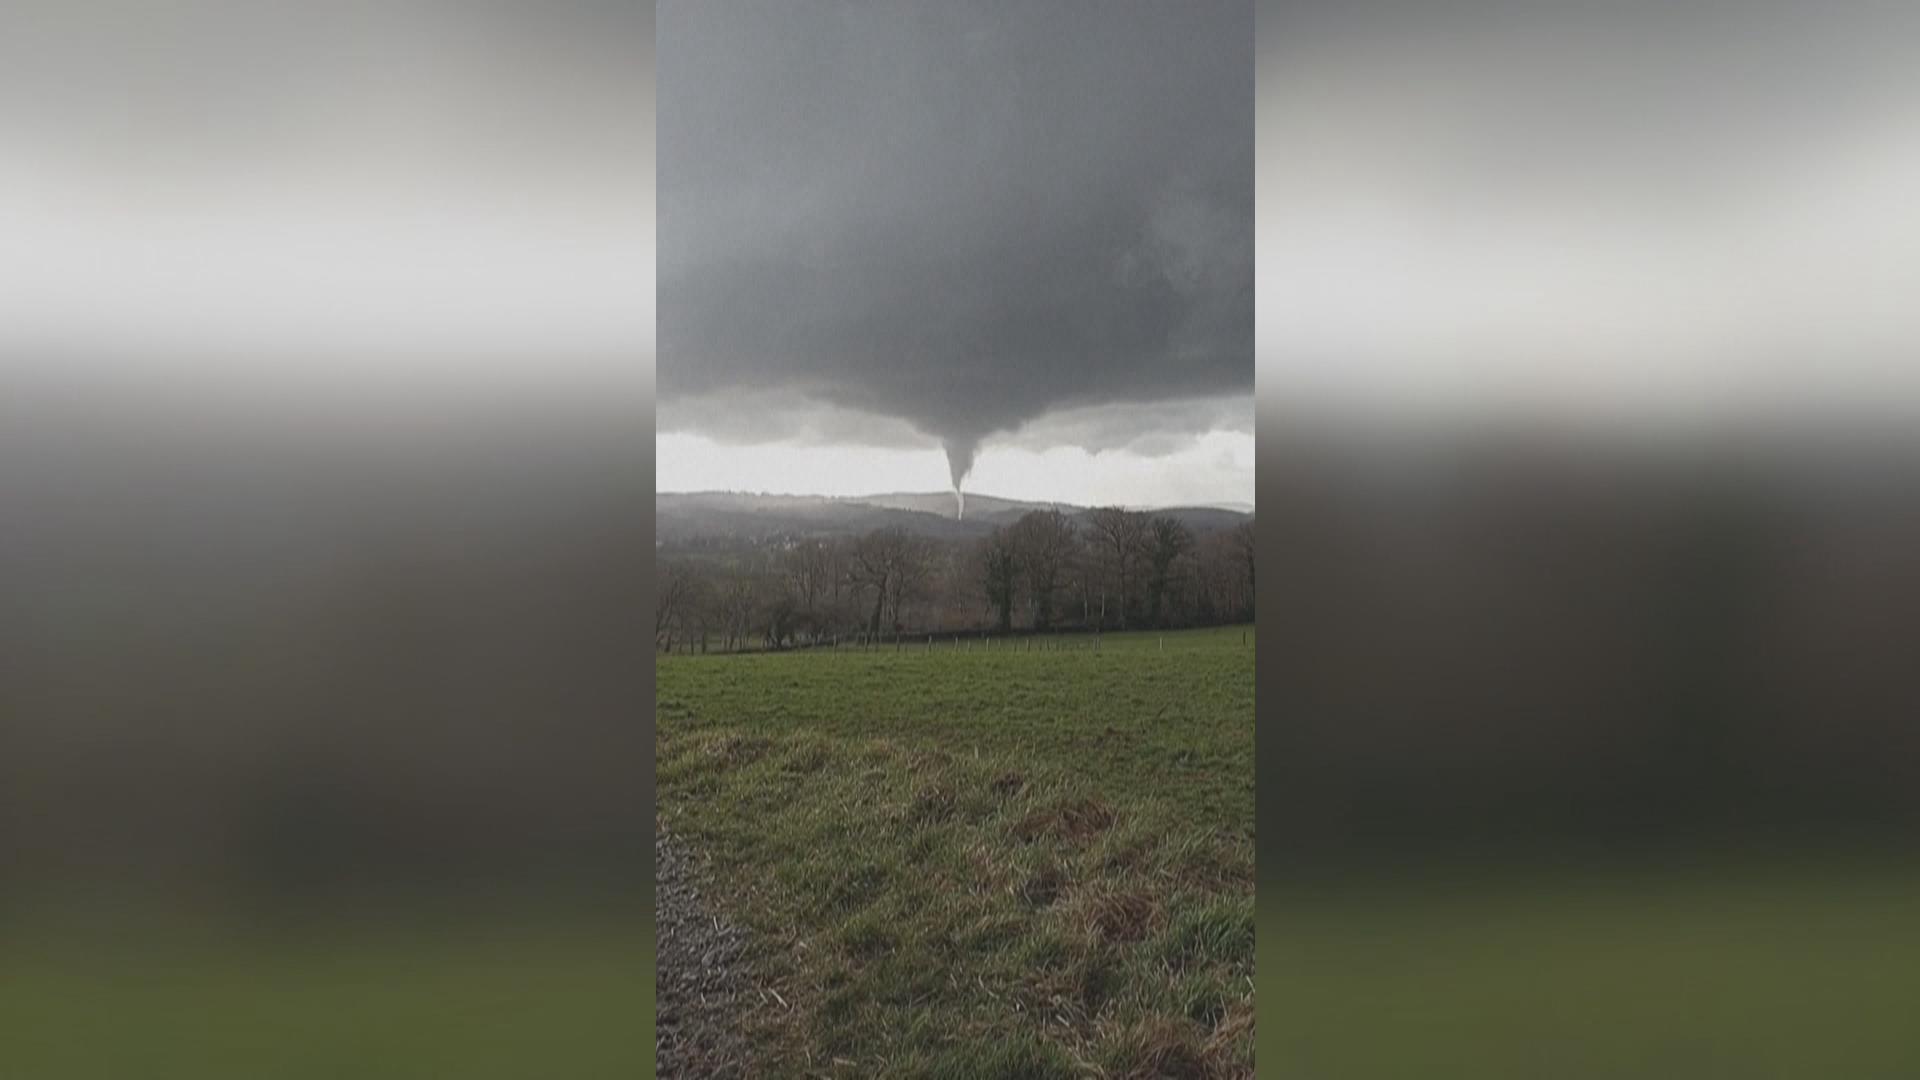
(326, 358)
(1587, 401)
(1587, 387)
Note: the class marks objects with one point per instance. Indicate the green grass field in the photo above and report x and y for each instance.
(980, 861)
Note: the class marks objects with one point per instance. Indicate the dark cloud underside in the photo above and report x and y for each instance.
(962, 215)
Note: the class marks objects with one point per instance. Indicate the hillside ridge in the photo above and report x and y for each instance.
(682, 517)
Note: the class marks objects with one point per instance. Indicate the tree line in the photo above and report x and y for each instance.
(1117, 569)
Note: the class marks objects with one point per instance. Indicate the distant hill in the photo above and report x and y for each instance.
(983, 507)
(728, 517)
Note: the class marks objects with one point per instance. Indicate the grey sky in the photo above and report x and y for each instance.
(956, 216)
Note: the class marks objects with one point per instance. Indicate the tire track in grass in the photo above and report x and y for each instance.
(701, 987)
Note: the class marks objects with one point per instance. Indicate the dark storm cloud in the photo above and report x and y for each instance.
(749, 417)
(1146, 429)
(962, 215)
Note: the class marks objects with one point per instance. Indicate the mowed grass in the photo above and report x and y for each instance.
(980, 862)
(1157, 717)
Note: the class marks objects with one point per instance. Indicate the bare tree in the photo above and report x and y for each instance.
(1123, 568)
(1045, 542)
(1248, 551)
(838, 583)
(894, 564)
(871, 567)
(701, 611)
(674, 584)
(809, 571)
(1167, 539)
(738, 604)
(1119, 535)
(999, 566)
(914, 575)
(780, 614)
(1218, 577)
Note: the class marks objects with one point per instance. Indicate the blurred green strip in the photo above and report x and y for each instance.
(475, 1001)
(1810, 969)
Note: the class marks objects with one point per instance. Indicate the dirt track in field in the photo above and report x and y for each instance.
(701, 987)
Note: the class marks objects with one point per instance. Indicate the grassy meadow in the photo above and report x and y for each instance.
(1020, 861)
